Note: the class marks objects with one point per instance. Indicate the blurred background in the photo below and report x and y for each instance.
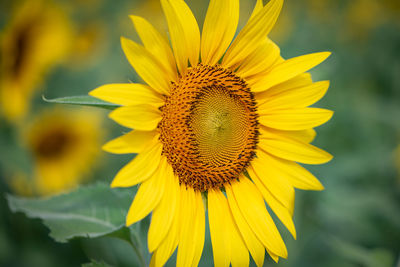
(69, 47)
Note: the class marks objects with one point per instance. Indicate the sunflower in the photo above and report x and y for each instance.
(63, 145)
(220, 123)
(36, 38)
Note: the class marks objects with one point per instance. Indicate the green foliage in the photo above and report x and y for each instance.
(94, 263)
(91, 211)
(82, 100)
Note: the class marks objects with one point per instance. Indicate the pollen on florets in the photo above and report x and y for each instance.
(209, 127)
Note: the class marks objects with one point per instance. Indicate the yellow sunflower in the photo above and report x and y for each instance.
(64, 144)
(221, 121)
(36, 38)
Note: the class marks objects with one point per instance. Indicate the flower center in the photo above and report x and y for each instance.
(54, 144)
(209, 127)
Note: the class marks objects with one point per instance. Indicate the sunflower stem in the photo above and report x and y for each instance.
(137, 247)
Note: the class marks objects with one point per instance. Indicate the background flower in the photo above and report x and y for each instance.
(64, 147)
(37, 37)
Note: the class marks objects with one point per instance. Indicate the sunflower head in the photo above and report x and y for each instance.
(209, 127)
(222, 118)
(37, 37)
(63, 147)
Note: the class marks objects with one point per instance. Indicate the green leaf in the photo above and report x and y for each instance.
(95, 263)
(82, 100)
(90, 211)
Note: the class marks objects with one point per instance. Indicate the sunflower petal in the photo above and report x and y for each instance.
(251, 204)
(255, 31)
(306, 136)
(132, 142)
(156, 44)
(218, 30)
(257, 8)
(255, 247)
(192, 227)
(128, 94)
(300, 80)
(170, 242)
(239, 252)
(199, 233)
(259, 61)
(289, 69)
(184, 32)
(147, 66)
(163, 214)
(141, 117)
(298, 176)
(140, 168)
(281, 211)
(296, 118)
(300, 97)
(232, 240)
(148, 195)
(273, 256)
(218, 230)
(294, 150)
(282, 190)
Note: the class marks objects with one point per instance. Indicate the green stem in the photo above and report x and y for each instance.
(137, 246)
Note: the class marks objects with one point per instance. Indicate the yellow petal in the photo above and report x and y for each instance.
(192, 227)
(259, 61)
(148, 195)
(128, 94)
(140, 168)
(273, 256)
(298, 176)
(141, 117)
(255, 31)
(281, 211)
(218, 230)
(147, 66)
(251, 204)
(228, 244)
(132, 142)
(290, 149)
(289, 69)
(170, 242)
(199, 233)
(184, 33)
(306, 136)
(156, 44)
(218, 30)
(239, 252)
(257, 8)
(163, 214)
(282, 190)
(255, 247)
(301, 80)
(300, 97)
(296, 118)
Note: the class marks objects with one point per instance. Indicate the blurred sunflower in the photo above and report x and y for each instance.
(89, 44)
(37, 37)
(220, 121)
(64, 146)
(365, 16)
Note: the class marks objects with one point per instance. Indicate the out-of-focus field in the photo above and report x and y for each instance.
(69, 47)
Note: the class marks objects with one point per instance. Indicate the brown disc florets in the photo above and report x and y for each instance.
(209, 127)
